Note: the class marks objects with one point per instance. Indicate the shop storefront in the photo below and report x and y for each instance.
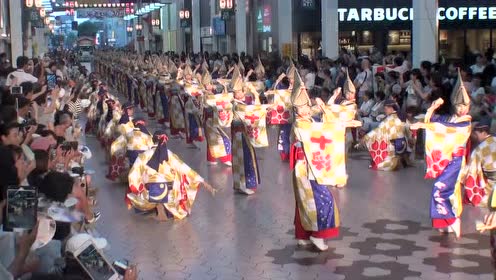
(464, 26)
(263, 25)
(307, 26)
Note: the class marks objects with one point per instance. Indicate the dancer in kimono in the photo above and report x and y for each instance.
(282, 114)
(446, 149)
(129, 145)
(162, 101)
(160, 180)
(489, 223)
(479, 175)
(341, 117)
(112, 118)
(177, 115)
(341, 105)
(316, 212)
(218, 116)
(193, 115)
(386, 143)
(248, 130)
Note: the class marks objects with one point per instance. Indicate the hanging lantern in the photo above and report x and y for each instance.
(42, 13)
(186, 14)
(47, 21)
(38, 3)
(29, 3)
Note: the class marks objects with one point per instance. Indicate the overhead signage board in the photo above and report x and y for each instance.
(100, 13)
(406, 14)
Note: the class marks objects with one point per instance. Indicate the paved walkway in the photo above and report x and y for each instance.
(385, 230)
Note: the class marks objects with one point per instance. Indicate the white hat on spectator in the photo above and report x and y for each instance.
(78, 240)
(85, 103)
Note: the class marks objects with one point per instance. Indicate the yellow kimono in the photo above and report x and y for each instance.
(479, 175)
(177, 118)
(175, 184)
(218, 115)
(314, 166)
(386, 143)
(249, 131)
(111, 130)
(130, 145)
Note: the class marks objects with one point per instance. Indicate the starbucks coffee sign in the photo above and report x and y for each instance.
(406, 14)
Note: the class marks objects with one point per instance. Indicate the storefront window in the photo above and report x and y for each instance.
(399, 41)
(310, 43)
(452, 44)
(347, 40)
(478, 40)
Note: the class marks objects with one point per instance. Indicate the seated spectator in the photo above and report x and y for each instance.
(42, 167)
(62, 122)
(368, 103)
(58, 187)
(376, 114)
(46, 141)
(477, 87)
(10, 134)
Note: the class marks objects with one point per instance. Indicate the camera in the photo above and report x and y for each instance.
(16, 90)
(30, 122)
(121, 266)
(78, 170)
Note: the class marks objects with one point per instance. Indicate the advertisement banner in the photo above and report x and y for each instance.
(100, 13)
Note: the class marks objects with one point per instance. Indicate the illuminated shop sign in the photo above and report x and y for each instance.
(406, 14)
(264, 19)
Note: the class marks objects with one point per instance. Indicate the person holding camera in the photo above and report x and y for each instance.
(22, 263)
(22, 74)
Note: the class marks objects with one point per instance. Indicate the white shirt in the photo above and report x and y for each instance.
(477, 69)
(310, 80)
(366, 107)
(364, 80)
(21, 77)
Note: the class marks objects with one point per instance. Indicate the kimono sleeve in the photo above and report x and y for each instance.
(182, 168)
(119, 146)
(135, 176)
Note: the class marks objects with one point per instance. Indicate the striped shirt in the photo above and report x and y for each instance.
(75, 107)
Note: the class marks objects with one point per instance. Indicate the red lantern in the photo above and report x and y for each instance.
(29, 3)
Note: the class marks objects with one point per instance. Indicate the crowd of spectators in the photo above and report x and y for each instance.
(42, 146)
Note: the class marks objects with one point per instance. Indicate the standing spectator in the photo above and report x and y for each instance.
(22, 74)
(363, 81)
(74, 104)
(480, 64)
(310, 77)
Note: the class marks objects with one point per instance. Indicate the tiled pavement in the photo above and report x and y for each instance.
(385, 230)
